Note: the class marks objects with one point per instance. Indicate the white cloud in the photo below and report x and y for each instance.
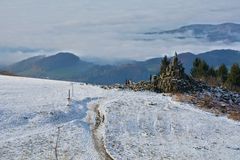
(108, 28)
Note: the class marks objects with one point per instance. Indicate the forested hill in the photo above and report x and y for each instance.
(67, 66)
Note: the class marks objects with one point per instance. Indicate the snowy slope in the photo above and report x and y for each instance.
(151, 126)
(31, 111)
(34, 118)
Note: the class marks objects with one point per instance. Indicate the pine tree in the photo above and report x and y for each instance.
(211, 77)
(222, 73)
(204, 69)
(211, 72)
(164, 64)
(195, 69)
(178, 66)
(200, 69)
(234, 76)
(175, 60)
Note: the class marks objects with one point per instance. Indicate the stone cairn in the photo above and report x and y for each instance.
(173, 79)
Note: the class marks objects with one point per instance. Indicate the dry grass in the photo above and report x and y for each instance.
(6, 73)
(205, 102)
(234, 115)
(208, 104)
(183, 98)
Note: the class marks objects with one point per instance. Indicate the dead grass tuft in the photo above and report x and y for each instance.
(234, 115)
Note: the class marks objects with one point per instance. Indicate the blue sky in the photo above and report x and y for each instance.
(106, 28)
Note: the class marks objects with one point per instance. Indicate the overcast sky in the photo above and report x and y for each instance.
(106, 28)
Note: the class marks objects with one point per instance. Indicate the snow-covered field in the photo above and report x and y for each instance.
(32, 110)
(152, 126)
(36, 123)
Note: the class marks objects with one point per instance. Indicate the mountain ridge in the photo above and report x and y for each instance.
(67, 66)
(227, 32)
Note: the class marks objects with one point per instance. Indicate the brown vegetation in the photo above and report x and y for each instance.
(6, 73)
(207, 103)
(234, 115)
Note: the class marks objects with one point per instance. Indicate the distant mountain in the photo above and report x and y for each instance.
(227, 32)
(214, 58)
(60, 66)
(104, 61)
(67, 66)
(25, 65)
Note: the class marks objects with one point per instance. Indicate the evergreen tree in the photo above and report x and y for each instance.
(200, 69)
(211, 77)
(212, 72)
(204, 69)
(164, 64)
(222, 73)
(175, 60)
(234, 76)
(178, 66)
(195, 69)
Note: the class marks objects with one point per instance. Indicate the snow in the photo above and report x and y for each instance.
(31, 110)
(151, 126)
(34, 115)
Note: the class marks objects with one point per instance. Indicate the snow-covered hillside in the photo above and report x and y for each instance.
(152, 126)
(31, 111)
(36, 123)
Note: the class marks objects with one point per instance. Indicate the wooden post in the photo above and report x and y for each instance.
(69, 94)
(69, 98)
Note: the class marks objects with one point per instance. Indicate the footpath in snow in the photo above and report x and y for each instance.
(36, 123)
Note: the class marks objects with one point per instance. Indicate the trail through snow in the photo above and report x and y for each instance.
(35, 118)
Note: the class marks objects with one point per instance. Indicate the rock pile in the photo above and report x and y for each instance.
(173, 79)
(114, 86)
(222, 95)
(141, 86)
